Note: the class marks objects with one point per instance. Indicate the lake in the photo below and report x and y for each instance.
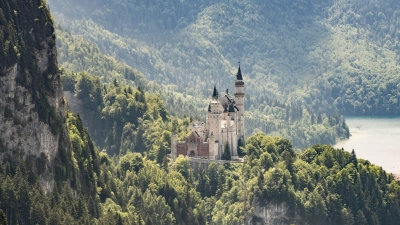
(376, 139)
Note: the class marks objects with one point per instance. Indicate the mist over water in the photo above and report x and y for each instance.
(376, 139)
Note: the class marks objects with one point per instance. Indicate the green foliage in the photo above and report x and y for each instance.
(264, 110)
(22, 50)
(3, 219)
(131, 161)
(88, 89)
(322, 184)
(182, 166)
(227, 152)
(121, 119)
(78, 55)
(324, 55)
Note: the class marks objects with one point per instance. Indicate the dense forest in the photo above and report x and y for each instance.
(318, 186)
(136, 183)
(327, 55)
(299, 123)
(116, 113)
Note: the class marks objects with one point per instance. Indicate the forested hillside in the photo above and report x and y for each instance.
(329, 55)
(116, 114)
(140, 185)
(300, 123)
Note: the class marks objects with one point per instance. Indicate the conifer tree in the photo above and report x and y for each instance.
(354, 159)
(227, 152)
(3, 219)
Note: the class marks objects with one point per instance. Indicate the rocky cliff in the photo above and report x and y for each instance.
(272, 213)
(31, 101)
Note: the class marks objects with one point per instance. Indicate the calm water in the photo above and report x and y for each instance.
(376, 139)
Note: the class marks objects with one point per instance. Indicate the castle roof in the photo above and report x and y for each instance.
(239, 74)
(215, 93)
(231, 108)
(225, 108)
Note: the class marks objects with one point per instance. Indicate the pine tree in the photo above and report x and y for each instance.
(354, 159)
(212, 173)
(227, 152)
(360, 219)
(3, 218)
(240, 151)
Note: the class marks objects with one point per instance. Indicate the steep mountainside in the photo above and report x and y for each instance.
(275, 184)
(298, 122)
(330, 55)
(31, 101)
(45, 153)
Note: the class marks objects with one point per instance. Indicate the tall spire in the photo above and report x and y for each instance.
(215, 93)
(239, 74)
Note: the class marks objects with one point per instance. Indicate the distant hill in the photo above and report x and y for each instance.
(52, 173)
(329, 55)
(333, 57)
(299, 123)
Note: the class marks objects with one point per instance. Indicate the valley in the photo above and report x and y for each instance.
(94, 92)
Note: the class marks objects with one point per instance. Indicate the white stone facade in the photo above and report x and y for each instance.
(224, 124)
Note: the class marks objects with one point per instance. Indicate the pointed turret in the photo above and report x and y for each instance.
(239, 74)
(239, 104)
(215, 93)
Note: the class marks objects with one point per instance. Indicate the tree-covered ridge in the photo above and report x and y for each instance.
(16, 37)
(123, 119)
(73, 194)
(139, 17)
(78, 55)
(117, 116)
(329, 55)
(301, 125)
(262, 112)
(26, 33)
(321, 185)
(89, 188)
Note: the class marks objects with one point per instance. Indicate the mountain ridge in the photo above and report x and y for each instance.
(302, 52)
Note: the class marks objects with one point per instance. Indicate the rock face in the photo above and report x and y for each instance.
(21, 130)
(272, 214)
(31, 101)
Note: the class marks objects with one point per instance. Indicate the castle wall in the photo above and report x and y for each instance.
(224, 124)
(204, 150)
(181, 148)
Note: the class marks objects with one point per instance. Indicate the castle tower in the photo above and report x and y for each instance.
(215, 115)
(233, 129)
(224, 124)
(239, 98)
(212, 148)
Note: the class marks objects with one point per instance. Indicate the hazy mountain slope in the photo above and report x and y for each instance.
(43, 149)
(312, 51)
(263, 112)
(300, 124)
(31, 103)
(321, 185)
(78, 55)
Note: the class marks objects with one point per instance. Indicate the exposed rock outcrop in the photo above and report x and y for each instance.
(32, 112)
(21, 130)
(272, 213)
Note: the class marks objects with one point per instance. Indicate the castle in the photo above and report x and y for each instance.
(224, 125)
